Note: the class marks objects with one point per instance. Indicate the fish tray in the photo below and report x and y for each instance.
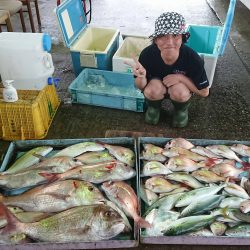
(31, 116)
(124, 240)
(183, 239)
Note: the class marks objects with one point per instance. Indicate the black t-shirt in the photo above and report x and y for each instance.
(189, 64)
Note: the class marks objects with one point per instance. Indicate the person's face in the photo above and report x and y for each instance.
(169, 45)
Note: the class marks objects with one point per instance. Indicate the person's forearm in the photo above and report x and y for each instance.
(141, 82)
(203, 92)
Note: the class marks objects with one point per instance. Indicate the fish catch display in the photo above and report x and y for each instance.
(215, 201)
(59, 198)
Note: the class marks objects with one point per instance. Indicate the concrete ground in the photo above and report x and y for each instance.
(225, 114)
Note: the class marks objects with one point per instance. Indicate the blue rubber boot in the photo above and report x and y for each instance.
(152, 115)
(180, 116)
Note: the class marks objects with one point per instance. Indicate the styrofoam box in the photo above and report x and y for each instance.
(206, 40)
(90, 47)
(107, 89)
(130, 46)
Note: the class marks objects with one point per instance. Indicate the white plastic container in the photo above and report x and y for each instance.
(9, 92)
(131, 46)
(25, 58)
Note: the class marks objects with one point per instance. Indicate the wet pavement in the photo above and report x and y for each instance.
(225, 114)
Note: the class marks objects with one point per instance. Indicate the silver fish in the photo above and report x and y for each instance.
(241, 149)
(189, 224)
(218, 228)
(203, 205)
(152, 153)
(197, 194)
(147, 196)
(224, 151)
(160, 219)
(83, 223)
(28, 159)
(123, 154)
(179, 142)
(158, 184)
(95, 157)
(245, 206)
(184, 178)
(242, 230)
(56, 196)
(97, 173)
(155, 168)
(232, 202)
(79, 148)
(125, 198)
(236, 190)
(204, 152)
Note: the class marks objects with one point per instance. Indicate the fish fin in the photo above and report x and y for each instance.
(40, 157)
(75, 184)
(12, 220)
(111, 165)
(209, 162)
(246, 165)
(50, 177)
(1, 198)
(142, 223)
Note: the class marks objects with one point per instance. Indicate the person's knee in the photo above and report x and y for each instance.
(180, 95)
(154, 94)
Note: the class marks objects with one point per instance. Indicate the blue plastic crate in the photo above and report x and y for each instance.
(107, 89)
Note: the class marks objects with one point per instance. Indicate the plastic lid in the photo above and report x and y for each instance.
(46, 42)
(50, 80)
(72, 20)
(8, 83)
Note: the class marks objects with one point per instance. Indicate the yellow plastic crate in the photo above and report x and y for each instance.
(30, 117)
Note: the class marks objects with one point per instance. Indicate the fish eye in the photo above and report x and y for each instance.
(74, 159)
(90, 188)
(109, 214)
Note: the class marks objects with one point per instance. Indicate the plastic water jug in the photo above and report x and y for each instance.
(25, 58)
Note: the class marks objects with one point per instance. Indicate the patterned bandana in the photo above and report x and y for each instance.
(169, 23)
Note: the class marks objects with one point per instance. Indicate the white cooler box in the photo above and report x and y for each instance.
(206, 40)
(210, 41)
(90, 47)
(130, 46)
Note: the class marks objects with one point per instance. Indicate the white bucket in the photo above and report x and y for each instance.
(24, 58)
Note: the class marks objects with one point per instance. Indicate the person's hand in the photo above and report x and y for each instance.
(171, 80)
(138, 69)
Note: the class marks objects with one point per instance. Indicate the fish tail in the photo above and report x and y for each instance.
(12, 221)
(142, 223)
